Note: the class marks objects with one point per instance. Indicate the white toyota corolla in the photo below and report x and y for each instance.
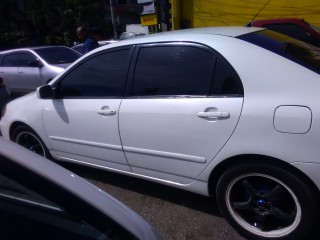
(229, 112)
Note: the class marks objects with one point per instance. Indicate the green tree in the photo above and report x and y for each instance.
(89, 13)
(31, 22)
(12, 23)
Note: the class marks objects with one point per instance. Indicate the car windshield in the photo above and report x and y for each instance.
(295, 50)
(57, 55)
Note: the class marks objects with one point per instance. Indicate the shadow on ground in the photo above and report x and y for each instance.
(144, 187)
(184, 198)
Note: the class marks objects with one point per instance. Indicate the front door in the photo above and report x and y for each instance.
(82, 121)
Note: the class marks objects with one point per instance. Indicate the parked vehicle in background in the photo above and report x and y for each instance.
(126, 35)
(41, 200)
(230, 112)
(293, 27)
(5, 95)
(25, 69)
(78, 47)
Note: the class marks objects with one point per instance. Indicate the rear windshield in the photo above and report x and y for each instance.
(297, 51)
(57, 55)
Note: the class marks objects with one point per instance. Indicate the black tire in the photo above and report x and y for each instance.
(26, 137)
(266, 202)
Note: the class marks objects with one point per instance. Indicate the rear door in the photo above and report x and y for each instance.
(183, 105)
(9, 70)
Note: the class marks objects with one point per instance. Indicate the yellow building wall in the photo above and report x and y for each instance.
(206, 13)
(175, 12)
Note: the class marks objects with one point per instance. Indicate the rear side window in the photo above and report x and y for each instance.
(12, 60)
(183, 70)
(173, 70)
(21, 59)
(290, 48)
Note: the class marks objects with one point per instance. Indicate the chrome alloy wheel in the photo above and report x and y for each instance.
(263, 205)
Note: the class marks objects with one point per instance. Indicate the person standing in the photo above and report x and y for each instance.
(89, 43)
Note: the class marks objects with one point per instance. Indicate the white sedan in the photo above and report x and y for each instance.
(230, 112)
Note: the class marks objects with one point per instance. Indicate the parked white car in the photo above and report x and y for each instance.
(230, 112)
(25, 69)
(41, 200)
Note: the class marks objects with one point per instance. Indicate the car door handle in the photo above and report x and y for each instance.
(213, 114)
(106, 112)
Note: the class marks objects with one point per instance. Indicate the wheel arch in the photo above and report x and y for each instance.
(15, 125)
(35, 134)
(254, 158)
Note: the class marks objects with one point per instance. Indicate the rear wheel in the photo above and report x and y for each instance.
(266, 202)
(26, 137)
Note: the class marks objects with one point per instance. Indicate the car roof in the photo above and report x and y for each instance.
(62, 177)
(31, 48)
(184, 34)
(278, 20)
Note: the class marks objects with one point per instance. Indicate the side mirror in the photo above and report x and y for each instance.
(45, 92)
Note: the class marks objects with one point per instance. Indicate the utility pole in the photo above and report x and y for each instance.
(114, 24)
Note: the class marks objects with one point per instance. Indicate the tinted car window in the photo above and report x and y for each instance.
(25, 214)
(294, 31)
(288, 29)
(173, 70)
(225, 80)
(57, 55)
(290, 48)
(12, 60)
(26, 59)
(102, 75)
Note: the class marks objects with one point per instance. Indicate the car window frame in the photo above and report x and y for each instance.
(180, 43)
(17, 53)
(27, 53)
(57, 83)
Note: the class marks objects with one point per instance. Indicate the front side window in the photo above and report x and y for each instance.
(101, 76)
(173, 70)
(27, 60)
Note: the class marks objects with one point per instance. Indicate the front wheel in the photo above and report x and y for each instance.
(266, 202)
(26, 137)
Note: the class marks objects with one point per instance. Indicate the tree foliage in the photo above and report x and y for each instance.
(32, 22)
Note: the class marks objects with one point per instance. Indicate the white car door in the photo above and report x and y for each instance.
(29, 72)
(184, 107)
(82, 121)
(9, 70)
